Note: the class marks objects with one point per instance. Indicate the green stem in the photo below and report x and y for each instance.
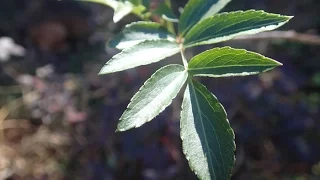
(184, 60)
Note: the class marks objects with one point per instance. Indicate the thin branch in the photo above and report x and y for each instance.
(184, 60)
(286, 35)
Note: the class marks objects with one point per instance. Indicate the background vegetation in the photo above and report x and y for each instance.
(57, 117)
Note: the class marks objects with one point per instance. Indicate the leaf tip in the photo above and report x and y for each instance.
(115, 20)
(287, 18)
(120, 129)
(277, 63)
(102, 72)
(290, 17)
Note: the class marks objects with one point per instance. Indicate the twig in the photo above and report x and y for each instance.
(286, 35)
(184, 60)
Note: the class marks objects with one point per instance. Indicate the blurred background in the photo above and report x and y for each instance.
(57, 117)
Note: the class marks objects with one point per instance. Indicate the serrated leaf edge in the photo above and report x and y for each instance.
(276, 64)
(217, 6)
(170, 36)
(102, 71)
(182, 138)
(160, 110)
(248, 32)
(244, 51)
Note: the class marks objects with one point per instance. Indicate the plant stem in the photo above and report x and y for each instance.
(184, 60)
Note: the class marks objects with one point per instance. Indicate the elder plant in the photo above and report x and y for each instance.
(207, 138)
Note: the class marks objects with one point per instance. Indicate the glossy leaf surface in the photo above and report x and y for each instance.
(144, 53)
(153, 97)
(137, 32)
(207, 138)
(196, 10)
(225, 26)
(226, 61)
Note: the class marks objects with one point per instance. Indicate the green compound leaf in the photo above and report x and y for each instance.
(196, 10)
(153, 97)
(144, 53)
(225, 26)
(138, 32)
(226, 61)
(207, 138)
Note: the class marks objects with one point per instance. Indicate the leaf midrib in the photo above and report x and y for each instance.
(218, 21)
(216, 67)
(203, 130)
(181, 73)
(231, 33)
